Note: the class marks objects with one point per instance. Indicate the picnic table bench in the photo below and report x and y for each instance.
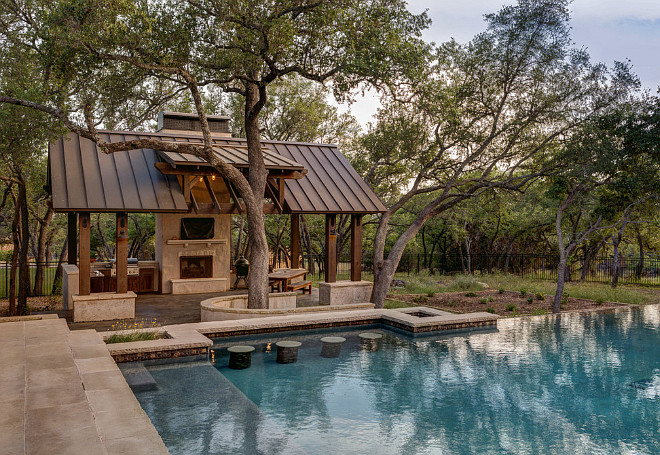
(283, 280)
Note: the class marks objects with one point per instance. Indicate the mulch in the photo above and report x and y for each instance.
(470, 302)
(36, 304)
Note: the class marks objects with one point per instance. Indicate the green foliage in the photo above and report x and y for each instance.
(538, 312)
(471, 294)
(483, 301)
(420, 299)
(394, 304)
(133, 336)
(500, 291)
(490, 309)
(511, 307)
(540, 296)
(530, 299)
(523, 292)
(465, 283)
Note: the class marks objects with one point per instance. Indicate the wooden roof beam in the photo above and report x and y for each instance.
(211, 193)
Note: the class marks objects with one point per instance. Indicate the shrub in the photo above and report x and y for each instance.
(540, 296)
(600, 301)
(466, 283)
(420, 299)
(501, 291)
(490, 309)
(523, 292)
(483, 301)
(132, 336)
(511, 307)
(470, 294)
(491, 299)
(564, 298)
(538, 311)
(452, 303)
(530, 299)
(430, 294)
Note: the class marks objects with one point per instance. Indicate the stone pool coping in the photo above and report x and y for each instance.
(196, 338)
(61, 392)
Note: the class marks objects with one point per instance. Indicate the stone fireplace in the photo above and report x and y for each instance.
(192, 253)
(196, 267)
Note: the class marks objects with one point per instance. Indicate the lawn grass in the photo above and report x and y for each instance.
(394, 304)
(425, 284)
(5, 273)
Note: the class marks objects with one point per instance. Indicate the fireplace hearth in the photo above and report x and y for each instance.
(196, 267)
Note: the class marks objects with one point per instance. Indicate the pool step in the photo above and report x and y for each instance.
(138, 377)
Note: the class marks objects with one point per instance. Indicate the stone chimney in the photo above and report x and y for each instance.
(173, 122)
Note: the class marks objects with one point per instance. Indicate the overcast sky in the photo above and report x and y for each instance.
(610, 30)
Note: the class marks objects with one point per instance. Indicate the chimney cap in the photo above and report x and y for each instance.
(184, 121)
(187, 115)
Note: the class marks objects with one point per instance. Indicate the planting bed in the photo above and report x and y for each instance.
(501, 304)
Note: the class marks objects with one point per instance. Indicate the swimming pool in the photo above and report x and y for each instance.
(571, 384)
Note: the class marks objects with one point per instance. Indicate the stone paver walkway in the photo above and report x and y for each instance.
(61, 393)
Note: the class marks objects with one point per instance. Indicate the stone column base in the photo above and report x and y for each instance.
(345, 292)
(105, 306)
(70, 284)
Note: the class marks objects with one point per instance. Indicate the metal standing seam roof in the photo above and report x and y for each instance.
(82, 178)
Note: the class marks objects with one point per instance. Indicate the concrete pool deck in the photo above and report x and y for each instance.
(62, 393)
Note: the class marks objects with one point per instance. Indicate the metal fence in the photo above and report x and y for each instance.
(48, 270)
(600, 269)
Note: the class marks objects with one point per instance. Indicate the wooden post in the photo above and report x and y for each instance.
(84, 268)
(356, 247)
(295, 240)
(330, 248)
(121, 253)
(72, 238)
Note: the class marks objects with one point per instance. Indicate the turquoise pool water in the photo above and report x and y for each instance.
(575, 384)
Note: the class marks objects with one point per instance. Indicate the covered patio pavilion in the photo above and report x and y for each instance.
(189, 197)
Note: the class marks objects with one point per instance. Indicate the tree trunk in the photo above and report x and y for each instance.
(616, 240)
(40, 257)
(238, 252)
(307, 238)
(23, 265)
(15, 226)
(561, 272)
(640, 265)
(385, 269)
(258, 281)
(64, 256)
(563, 256)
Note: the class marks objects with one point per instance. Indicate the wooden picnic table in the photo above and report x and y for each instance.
(282, 279)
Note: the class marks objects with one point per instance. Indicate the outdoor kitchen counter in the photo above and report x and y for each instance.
(144, 280)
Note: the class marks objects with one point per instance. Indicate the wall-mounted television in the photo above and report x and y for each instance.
(197, 228)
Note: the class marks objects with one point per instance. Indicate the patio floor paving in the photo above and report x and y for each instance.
(168, 309)
(61, 392)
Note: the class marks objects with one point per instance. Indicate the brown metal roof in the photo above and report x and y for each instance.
(82, 178)
(234, 155)
(331, 184)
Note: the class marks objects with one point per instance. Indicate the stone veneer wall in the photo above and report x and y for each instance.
(168, 227)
